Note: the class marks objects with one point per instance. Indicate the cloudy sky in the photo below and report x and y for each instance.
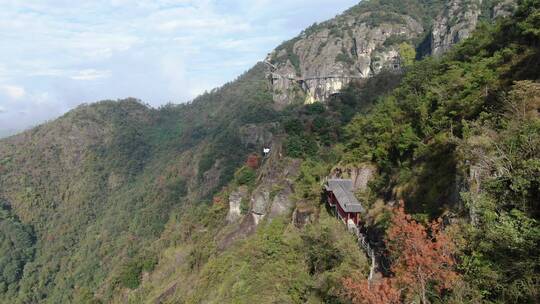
(56, 54)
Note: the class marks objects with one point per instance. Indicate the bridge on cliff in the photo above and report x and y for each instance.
(273, 68)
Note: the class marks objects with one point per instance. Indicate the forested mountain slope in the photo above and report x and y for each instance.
(119, 202)
(458, 138)
(98, 184)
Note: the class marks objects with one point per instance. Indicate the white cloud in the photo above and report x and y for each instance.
(2, 110)
(195, 24)
(91, 74)
(12, 91)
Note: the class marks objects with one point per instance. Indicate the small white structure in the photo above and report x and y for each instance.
(266, 151)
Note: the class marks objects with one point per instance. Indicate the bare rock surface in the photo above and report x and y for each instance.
(322, 61)
(235, 202)
(455, 23)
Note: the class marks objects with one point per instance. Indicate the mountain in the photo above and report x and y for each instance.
(7, 132)
(99, 184)
(369, 38)
(118, 202)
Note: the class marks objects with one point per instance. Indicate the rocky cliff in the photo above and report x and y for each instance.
(366, 40)
(326, 57)
(459, 19)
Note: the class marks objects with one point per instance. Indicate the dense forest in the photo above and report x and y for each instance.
(118, 202)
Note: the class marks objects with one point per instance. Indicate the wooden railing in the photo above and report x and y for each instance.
(364, 244)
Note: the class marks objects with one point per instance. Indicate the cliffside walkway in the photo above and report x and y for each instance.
(364, 245)
(303, 79)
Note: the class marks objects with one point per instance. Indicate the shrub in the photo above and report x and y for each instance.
(130, 274)
(345, 58)
(253, 161)
(245, 176)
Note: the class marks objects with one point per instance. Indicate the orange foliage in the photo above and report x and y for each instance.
(217, 200)
(421, 258)
(379, 292)
(253, 161)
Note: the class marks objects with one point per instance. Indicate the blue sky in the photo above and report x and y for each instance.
(56, 54)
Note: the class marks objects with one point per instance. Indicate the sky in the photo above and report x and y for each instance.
(57, 54)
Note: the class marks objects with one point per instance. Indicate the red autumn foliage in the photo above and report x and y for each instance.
(421, 259)
(217, 200)
(253, 161)
(422, 256)
(379, 292)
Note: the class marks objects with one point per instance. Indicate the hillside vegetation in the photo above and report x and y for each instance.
(458, 138)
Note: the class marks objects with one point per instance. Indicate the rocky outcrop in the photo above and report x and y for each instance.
(235, 204)
(459, 19)
(456, 22)
(257, 135)
(271, 198)
(504, 8)
(362, 42)
(327, 57)
(360, 174)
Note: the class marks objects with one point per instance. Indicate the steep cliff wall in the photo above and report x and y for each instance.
(459, 19)
(456, 22)
(326, 57)
(367, 39)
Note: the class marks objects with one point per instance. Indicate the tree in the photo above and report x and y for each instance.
(407, 54)
(321, 254)
(422, 257)
(364, 292)
(253, 161)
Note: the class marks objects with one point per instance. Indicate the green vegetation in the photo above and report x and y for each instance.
(395, 40)
(345, 58)
(245, 176)
(130, 275)
(407, 54)
(289, 55)
(279, 263)
(16, 249)
(88, 193)
(385, 10)
(469, 111)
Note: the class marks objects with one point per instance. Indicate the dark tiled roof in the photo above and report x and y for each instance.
(343, 190)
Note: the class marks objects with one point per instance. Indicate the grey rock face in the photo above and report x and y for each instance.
(459, 19)
(361, 175)
(353, 46)
(257, 135)
(504, 8)
(281, 203)
(235, 202)
(322, 61)
(260, 200)
(272, 197)
(455, 23)
(302, 217)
